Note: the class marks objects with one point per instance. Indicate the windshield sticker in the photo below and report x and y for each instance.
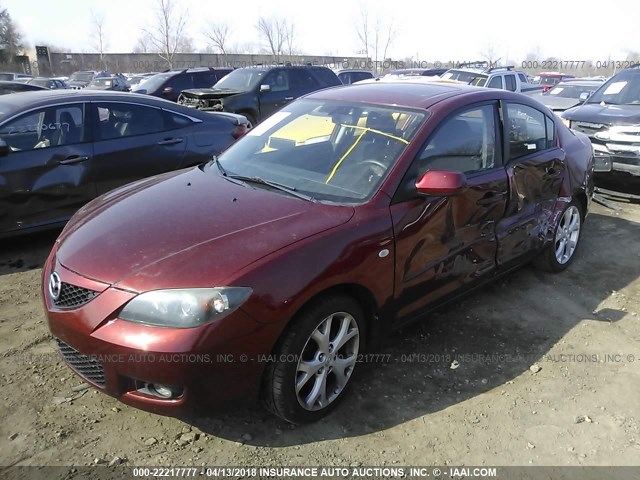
(272, 121)
(614, 88)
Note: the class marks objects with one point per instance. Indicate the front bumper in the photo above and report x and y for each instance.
(212, 105)
(616, 148)
(211, 366)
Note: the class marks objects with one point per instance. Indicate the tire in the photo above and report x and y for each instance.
(250, 118)
(559, 254)
(309, 345)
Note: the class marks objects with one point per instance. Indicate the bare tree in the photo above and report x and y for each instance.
(275, 32)
(99, 36)
(375, 40)
(289, 35)
(362, 30)
(218, 35)
(185, 45)
(167, 34)
(144, 45)
(490, 54)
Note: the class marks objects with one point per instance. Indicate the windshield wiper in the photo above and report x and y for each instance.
(278, 186)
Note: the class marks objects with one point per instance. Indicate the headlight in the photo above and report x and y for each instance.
(184, 308)
(566, 121)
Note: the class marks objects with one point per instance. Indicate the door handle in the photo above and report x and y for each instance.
(73, 159)
(288, 99)
(170, 141)
(490, 198)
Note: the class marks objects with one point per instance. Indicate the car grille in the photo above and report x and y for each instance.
(588, 128)
(86, 367)
(189, 100)
(74, 297)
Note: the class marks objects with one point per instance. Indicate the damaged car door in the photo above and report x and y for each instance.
(535, 167)
(44, 164)
(446, 242)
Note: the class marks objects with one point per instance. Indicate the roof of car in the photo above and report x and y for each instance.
(402, 93)
(34, 99)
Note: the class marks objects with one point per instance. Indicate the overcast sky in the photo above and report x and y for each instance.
(455, 30)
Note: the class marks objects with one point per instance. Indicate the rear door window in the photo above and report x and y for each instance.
(118, 120)
(510, 81)
(526, 130)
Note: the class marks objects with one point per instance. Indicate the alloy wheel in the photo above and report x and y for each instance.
(567, 235)
(327, 361)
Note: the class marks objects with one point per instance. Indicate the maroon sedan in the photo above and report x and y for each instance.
(269, 271)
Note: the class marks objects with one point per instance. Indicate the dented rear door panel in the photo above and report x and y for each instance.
(534, 187)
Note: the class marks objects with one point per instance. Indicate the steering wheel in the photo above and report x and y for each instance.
(376, 167)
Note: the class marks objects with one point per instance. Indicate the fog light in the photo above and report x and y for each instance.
(161, 390)
(166, 392)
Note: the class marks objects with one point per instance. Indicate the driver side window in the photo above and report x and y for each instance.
(464, 143)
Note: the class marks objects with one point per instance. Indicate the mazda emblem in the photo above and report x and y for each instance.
(55, 285)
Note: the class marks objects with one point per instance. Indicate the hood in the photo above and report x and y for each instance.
(605, 114)
(557, 103)
(210, 92)
(186, 229)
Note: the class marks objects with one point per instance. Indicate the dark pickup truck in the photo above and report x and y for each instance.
(611, 119)
(257, 92)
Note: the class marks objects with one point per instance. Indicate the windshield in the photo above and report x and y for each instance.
(479, 80)
(153, 83)
(549, 80)
(459, 75)
(331, 151)
(82, 76)
(6, 76)
(243, 79)
(567, 90)
(623, 89)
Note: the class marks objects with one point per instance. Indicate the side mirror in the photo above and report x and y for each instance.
(441, 182)
(265, 88)
(167, 90)
(584, 96)
(4, 148)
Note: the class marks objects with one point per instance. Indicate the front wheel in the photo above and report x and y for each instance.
(558, 255)
(315, 360)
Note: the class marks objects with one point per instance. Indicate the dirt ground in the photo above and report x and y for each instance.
(581, 329)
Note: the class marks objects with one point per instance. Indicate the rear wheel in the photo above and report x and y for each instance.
(250, 118)
(315, 360)
(559, 254)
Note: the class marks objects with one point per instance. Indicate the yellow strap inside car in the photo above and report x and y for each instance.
(350, 149)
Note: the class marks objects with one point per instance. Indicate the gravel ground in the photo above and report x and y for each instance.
(536, 369)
